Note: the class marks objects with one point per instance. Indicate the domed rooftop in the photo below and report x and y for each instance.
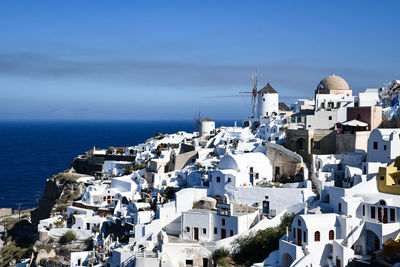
(333, 84)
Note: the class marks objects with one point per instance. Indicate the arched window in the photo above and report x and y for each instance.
(382, 203)
(317, 236)
(331, 235)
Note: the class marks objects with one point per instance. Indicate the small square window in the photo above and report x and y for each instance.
(381, 178)
(229, 180)
(204, 231)
(218, 179)
(231, 232)
(215, 230)
(375, 145)
(188, 229)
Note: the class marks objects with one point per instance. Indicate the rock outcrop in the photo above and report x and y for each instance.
(61, 190)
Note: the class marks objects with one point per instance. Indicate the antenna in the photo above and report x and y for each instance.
(19, 211)
(254, 83)
(37, 197)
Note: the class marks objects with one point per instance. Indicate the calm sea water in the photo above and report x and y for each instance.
(31, 152)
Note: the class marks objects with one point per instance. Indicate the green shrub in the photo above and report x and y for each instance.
(59, 223)
(46, 247)
(221, 253)
(89, 243)
(128, 169)
(64, 251)
(68, 237)
(224, 262)
(257, 246)
(169, 193)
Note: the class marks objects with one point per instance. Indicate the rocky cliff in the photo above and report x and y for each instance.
(61, 190)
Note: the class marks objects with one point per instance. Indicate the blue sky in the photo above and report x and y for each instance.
(169, 59)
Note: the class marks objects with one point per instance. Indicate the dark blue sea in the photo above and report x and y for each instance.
(31, 152)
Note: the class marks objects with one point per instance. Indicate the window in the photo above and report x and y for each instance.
(384, 147)
(340, 207)
(304, 237)
(294, 232)
(188, 229)
(251, 169)
(215, 230)
(223, 222)
(204, 231)
(363, 210)
(382, 203)
(372, 212)
(277, 170)
(317, 236)
(375, 145)
(392, 215)
(339, 167)
(330, 118)
(331, 235)
(298, 222)
(381, 178)
(231, 232)
(189, 262)
(229, 180)
(218, 179)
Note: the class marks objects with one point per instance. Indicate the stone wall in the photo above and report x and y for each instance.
(283, 160)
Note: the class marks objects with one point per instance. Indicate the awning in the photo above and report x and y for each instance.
(355, 123)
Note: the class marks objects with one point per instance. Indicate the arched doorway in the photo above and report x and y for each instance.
(287, 260)
(373, 242)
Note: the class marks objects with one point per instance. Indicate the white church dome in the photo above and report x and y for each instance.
(332, 84)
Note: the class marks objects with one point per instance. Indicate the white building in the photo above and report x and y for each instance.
(80, 258)
(207, 127)
(296, 107)
(383, 145)
(239, 170)
(267, 102)
(206, 223)
(370, 97)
